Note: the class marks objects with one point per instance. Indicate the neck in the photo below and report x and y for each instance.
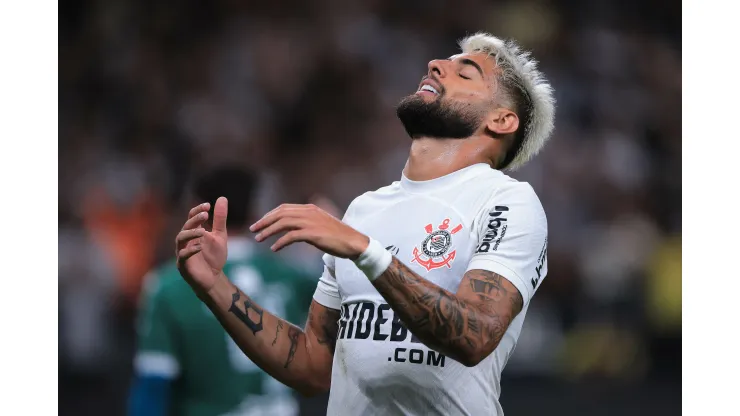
(434, 158)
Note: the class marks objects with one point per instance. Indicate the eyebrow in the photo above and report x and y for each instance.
(466, 61)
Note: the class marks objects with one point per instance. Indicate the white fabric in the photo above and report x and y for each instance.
(327, 291)
(475, 218)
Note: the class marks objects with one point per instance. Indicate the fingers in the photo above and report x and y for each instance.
(183, 237)
(188, 252)
(283, 224)
(220, 213)
(327, 205)
(204, 207)
(196, 221)
(276, 214)
(289, 238)
(282, 207)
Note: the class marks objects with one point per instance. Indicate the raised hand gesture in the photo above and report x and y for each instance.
(201, 254)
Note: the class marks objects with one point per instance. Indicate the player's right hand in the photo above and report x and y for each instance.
(201, 254)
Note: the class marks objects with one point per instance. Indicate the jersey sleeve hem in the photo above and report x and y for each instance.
(505, 272)
(326, 299)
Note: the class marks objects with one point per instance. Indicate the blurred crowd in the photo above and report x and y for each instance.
(151, 93)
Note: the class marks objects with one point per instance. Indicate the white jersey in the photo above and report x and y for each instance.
(474, 218)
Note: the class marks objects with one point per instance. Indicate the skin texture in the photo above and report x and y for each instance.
(467, 325)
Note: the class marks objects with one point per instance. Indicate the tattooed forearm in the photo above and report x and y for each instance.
(252, 314)
(284, 351)
(277, 331)
(466, 326)
(294, 334)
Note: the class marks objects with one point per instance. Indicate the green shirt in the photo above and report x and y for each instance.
(180, 339)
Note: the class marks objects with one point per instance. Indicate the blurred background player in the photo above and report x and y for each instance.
(185, 363)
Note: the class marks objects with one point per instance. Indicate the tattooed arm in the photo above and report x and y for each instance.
(466, 326)
(301, 359)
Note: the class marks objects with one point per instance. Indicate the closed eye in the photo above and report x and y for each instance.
(470, 62)
(464, 77)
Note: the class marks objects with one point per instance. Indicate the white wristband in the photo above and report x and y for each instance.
(374, 260)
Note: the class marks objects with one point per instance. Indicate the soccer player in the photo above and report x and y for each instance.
(186, 364)
(428, 280)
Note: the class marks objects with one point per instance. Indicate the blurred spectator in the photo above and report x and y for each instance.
(119, 212)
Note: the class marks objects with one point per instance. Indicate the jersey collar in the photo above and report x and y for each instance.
(454, 178)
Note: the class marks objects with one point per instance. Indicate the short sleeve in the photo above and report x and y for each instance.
(327, 291)
(156, 350)
(512, 238)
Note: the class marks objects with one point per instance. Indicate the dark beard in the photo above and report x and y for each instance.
(437, 119)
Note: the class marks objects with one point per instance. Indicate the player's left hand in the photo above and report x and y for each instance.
(310, 224)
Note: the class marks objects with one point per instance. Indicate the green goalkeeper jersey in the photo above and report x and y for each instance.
(181, 340)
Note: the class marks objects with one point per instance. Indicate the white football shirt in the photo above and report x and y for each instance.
(474, 218)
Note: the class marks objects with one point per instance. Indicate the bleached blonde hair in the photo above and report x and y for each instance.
(520, 77)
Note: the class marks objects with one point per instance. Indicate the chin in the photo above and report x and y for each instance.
(430, 116)
(418, 101)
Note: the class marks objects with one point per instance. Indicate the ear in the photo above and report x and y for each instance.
(502, 121)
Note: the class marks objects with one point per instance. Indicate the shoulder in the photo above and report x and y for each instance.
(504, 187)
(508, 195)
(521, 193)
(371, 200)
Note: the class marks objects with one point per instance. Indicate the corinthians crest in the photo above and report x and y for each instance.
(433, 252)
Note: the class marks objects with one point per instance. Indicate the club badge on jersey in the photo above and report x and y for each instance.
(434, 251)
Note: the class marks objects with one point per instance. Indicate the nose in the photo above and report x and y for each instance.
(436, 67)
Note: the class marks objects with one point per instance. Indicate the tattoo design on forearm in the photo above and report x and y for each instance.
(277, 331)
(441, 319)
(254, 325)
(294, 334)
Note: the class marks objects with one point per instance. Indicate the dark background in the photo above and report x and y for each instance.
(153, 92)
